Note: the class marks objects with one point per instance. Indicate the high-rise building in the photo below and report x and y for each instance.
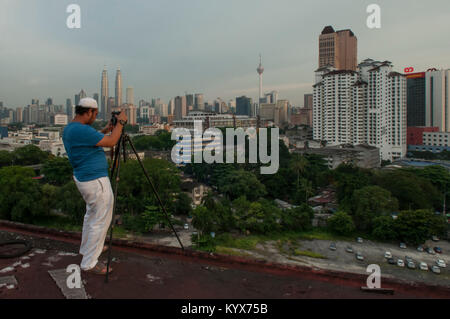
(118, 100)
(69, 109)
(180, 107)
(109, 107)
(308, 101)
(243, 106)
(18, 115)
(104, 112)
(415, 99)
(131, 112)
(198, 103)
(338, 49)
(130, 95)
(367, 106)
(95, 97)
(49, 101)
(437, 99)
(34, 101)
(189, 100)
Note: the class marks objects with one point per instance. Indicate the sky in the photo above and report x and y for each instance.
(166, 48)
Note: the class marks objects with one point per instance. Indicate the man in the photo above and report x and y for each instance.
(84, 147)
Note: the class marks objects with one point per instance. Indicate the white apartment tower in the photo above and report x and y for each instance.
(367, 106)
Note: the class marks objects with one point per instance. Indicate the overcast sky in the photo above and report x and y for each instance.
(168, 47)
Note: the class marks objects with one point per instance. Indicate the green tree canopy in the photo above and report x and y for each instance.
(341, 223)
(57, 171)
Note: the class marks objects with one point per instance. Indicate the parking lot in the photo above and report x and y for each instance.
(373, 253)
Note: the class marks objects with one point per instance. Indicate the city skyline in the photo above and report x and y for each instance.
(180, 55)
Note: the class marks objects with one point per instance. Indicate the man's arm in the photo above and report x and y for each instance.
(111, 140)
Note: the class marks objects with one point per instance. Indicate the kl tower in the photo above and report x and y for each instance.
(260, 71)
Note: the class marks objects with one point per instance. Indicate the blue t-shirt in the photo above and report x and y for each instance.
(88, 161)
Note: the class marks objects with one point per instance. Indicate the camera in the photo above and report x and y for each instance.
(114, 118)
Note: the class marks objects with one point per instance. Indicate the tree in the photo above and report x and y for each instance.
(416, 226)
(242, 183)
(57, 171)
(20, 195)
(298, 164)
(384, 228)
(71, 202)
(298, 218)
(6, 158)
(183, 204)
(341, 223)
(370, 202)
(204, 220)
(29, 155)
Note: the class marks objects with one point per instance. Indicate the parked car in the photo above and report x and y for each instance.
(387, 254)
(420, 248)
(441, 263)
(391, 261)
(332, 246)
(430, 251)
(408, 259)
(438, 250)
(359, 256)
(411, 265)
(423, 266)
(349, 249)
(436, 269)
(435, 238)
(400, 263)
(186, 226)
(402, 245)
(359, 240)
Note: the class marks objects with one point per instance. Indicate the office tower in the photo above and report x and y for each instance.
(171, 107)
(109, 107)
(131, 112)
(189, 100)
(367, 106)
(415, 99)
(199, 105)
(49, 101)
(130, 95)
(104, 95)
(118, 100)
(180, 107)
(308, 101)
(77, 99)
(338, 49)
(243, 106)
(69, 109)
(18, 118)
(82, 94)
(34, 101)
(95, 97)
(1, 104)
(437, 99)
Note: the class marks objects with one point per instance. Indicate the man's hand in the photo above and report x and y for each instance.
(122, 116)
(108, 128)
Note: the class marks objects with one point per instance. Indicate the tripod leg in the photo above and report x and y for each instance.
(127, 139)
(116, 186)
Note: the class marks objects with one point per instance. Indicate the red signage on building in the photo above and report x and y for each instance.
(409, 70)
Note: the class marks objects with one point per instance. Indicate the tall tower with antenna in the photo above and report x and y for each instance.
(260, 71)
(118, 99)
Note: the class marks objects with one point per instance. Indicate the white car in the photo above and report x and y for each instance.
(423, 266)
(400, 263)
(186, 226)
(387, 254)
(441, 263)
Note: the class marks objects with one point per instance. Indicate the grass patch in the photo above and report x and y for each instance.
(230, 251)
(308, 253)
(323, 234)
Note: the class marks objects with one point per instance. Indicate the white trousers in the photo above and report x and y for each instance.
(99, 199)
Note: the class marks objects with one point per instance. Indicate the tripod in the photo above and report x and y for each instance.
(115, 169)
